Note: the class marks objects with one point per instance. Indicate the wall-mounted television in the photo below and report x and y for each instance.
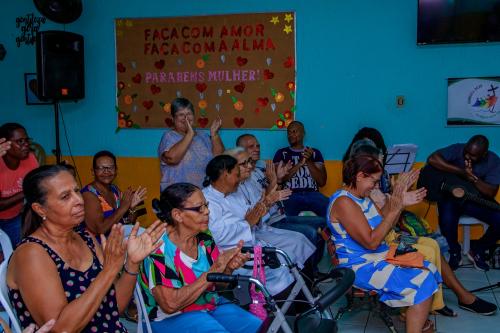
(458, 21)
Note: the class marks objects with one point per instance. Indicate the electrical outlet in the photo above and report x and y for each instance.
(400, 102)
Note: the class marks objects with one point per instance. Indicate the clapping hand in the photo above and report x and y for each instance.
(215, 127)
(307, 155)
(254, 214)
(282, 170)
(138, 196)
(4, 146)
(229, 260)
(140, 246)
(407, 179)
(275, 196)
(114, 249)
(126, 199)
(395, 201)
(238, 260)
(189, 128)
(271, 173)
(414, 197)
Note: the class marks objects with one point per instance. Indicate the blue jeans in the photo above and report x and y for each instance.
(12, 227)
(451, 209)
(308, 226)
(225, 318)
(306, 201)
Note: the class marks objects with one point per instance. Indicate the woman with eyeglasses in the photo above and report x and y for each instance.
(16, 162)
(359, 230)
(105, 204)
(174, 282)
(183, 151)
(236, 214)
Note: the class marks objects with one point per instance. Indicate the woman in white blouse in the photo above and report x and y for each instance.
(236, 214)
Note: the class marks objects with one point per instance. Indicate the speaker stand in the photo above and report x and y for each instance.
(57, 151)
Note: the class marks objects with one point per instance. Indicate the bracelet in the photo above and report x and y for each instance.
(129, 272)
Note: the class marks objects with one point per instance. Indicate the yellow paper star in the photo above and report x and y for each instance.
(129, 23)
(287, 29)
(275, 20)
(119, 33)
(119, 23)
(288, 18)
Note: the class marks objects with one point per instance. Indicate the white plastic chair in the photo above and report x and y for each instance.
(466, 222)
(142, 314)
(4, 296)
(6, 245)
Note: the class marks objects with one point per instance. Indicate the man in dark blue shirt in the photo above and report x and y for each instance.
(306, 175)
(475, 163)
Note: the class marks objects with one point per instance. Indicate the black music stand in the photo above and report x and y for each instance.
(400, 158)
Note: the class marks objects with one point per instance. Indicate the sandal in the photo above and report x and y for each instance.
(446, 311)
(131, 313)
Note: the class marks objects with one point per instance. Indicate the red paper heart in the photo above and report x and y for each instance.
(137, 78)
(155, 89)
(169, 122)
(238, 122)
(257, 110)
(240, 87)
(203, 122)
(241, 61)
(262, 101)
(268, 75)
(289, 62)
(160, 63)
(120, 68)
(201, 87)
(147, 104)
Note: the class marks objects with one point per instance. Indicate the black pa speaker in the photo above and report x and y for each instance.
(60, 11)
(60, 66)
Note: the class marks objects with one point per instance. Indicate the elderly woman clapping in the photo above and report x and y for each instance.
(61, 272)
(174, 279)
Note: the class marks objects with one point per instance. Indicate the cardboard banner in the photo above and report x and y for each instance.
(240, 66)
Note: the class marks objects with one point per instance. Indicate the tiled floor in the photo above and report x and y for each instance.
(364, 321)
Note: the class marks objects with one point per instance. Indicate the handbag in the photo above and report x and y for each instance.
(410, 258)
(258, 300)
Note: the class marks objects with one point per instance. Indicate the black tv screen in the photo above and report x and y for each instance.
(458, 21)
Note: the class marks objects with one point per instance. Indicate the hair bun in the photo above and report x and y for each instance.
(157, 209)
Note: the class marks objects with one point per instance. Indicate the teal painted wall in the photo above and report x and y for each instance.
(353, 59)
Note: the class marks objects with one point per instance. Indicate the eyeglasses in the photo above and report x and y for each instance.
(376, 181)
(248, 162)
(23, 141)
(106, 168)
(198, 209)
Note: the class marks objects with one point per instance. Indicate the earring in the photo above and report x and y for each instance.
(44, 218)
